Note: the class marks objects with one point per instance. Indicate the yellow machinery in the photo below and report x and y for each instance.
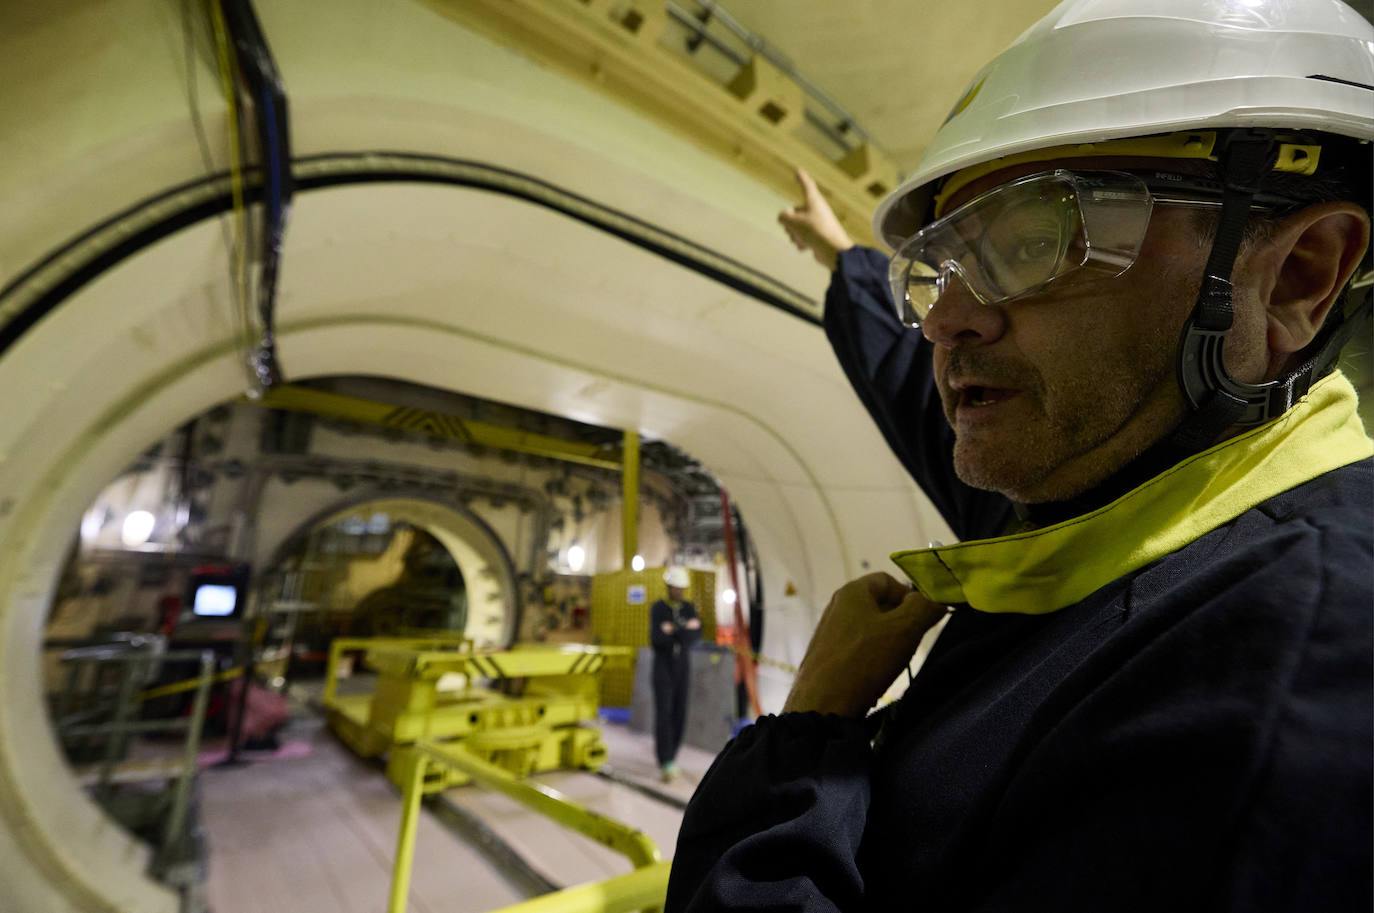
(520, 710)
(429, 766)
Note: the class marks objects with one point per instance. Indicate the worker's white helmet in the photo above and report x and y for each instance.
(677, 576)
(1097, 72)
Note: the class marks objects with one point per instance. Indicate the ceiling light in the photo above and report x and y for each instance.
(92, 523)
(138, 526)
(576, 558)
(637, 563)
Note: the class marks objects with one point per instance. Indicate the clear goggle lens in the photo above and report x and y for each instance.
(1017, 238)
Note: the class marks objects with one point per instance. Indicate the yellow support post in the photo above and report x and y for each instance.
(629, 486)
(331, 669)
(405, 841)
(644, 888)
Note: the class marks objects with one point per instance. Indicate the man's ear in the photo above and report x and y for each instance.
(1315, 252)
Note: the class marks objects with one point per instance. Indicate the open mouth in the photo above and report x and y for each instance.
(977, 397)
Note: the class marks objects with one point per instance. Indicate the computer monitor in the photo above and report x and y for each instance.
(215, 600)
(217, 592)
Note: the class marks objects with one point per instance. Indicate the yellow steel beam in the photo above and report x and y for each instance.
(414, 660)
(643, 888)
(638, 846)
(339, 644)
(629, 497)
(615, 48)
(292, 398)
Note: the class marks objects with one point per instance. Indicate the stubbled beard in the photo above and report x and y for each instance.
(1087, 413)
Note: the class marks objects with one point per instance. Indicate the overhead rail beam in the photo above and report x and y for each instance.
(292, 398)
(844, 122)
(755, 119)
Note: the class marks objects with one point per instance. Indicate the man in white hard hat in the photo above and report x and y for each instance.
(1122, 279)
(673, 627)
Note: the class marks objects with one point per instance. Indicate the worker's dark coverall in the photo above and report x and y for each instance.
(1193, 735)
(671, 673)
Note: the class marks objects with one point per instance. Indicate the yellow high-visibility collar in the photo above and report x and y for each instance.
(1048, 569)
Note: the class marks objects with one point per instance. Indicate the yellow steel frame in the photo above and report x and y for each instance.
(437, 424)
(428, 764)
(342, 644)
(638, 890)
(538, 729)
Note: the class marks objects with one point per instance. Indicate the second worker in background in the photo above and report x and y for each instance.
(673, 627)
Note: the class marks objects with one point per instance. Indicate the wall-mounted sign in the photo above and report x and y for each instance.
(636, 594)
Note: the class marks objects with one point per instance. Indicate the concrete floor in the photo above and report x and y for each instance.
(316, 833)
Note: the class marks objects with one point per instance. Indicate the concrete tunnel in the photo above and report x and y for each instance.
(464, 219)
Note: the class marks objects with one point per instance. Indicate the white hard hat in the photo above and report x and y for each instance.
(1097, 71)
(678, 577)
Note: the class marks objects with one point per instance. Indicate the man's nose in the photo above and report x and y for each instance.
(957, 319)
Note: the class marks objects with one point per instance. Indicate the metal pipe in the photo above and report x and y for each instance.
(123, 728)
(120, 727)
(838, 136)
(699, 31)
(241, 706)
(744, 654)
(756, 44)
(176, 818)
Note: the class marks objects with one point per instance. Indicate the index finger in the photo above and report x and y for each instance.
(807, 184)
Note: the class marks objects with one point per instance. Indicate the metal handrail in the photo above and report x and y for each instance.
(643, 888)
(131, 655)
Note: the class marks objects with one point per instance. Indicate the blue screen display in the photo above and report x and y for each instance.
(215, 600)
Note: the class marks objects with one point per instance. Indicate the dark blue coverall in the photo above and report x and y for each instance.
(672, 669)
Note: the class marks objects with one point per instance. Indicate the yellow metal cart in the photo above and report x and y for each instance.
(522, 710)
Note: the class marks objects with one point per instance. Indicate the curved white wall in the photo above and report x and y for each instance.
(456, 288)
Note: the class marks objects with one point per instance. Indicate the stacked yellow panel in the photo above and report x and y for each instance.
(620, 617)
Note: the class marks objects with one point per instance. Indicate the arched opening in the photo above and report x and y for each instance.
(386, 565)
(119, 324)
(340, 527)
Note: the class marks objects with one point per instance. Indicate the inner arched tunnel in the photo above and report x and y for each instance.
(463, 220)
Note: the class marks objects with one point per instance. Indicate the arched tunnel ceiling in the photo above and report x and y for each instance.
(450, 287)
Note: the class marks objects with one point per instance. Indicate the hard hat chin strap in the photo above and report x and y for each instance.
(1218, 400)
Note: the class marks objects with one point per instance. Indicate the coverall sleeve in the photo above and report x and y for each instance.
(659, 612)
(889, 367)
(688, 636)
(777, 820)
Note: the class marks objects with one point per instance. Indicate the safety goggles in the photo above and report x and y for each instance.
(1019, 237)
